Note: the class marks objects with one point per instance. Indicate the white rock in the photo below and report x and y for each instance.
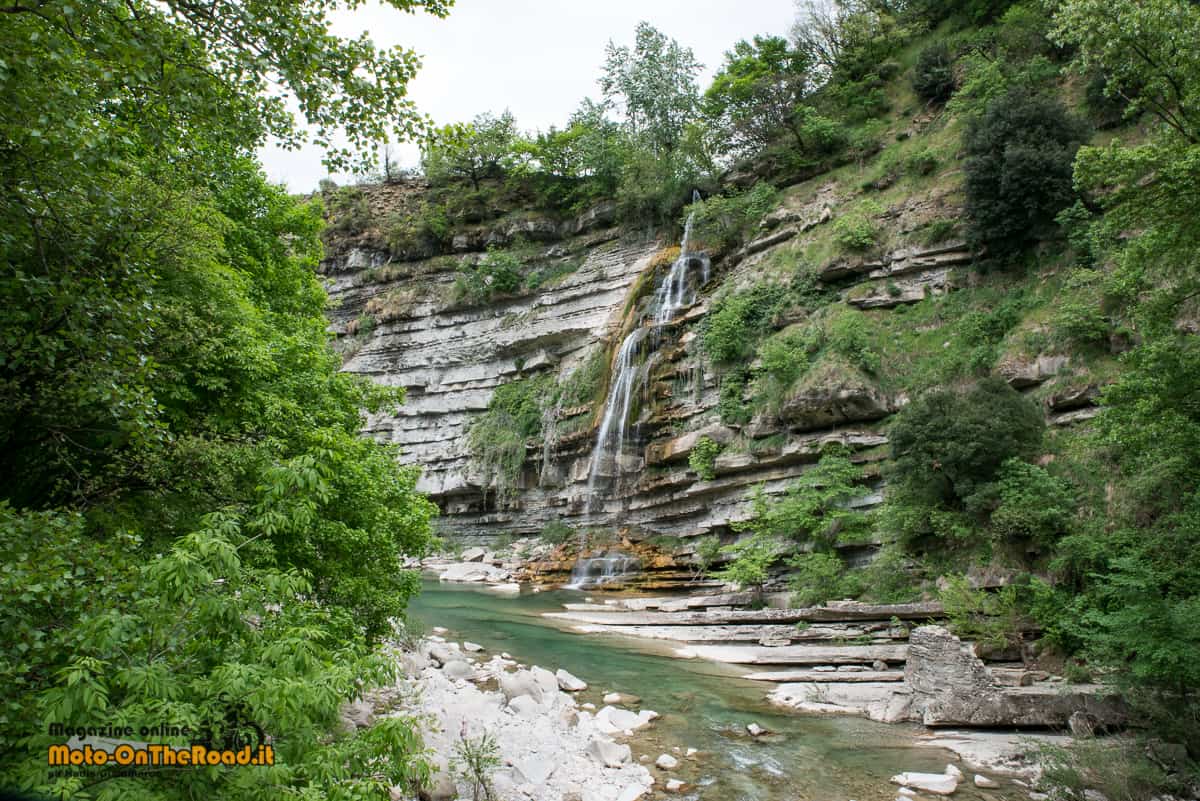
(520, 683)
(526, 707)
(647, 715)
(674, 785)
(570, 683)
(473, 555)
(612, 698)
(436, 638)
(632, 792)
(691, 752)
(666, 762)
(952, 770)
(472, 647)
(545, 680)
(907, 792)
(755, 730)
(608, 753)
(458, 669)
(937, 783)
(439, 630)
(589, 706)
(534, 770)
(984, 781)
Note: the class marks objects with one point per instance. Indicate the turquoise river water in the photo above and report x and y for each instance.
(703, 706)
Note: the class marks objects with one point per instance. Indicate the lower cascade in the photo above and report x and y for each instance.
(597, 571)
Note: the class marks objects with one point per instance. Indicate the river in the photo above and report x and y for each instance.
(703, 705)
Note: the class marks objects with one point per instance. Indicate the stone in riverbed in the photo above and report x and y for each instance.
(458, 669)
(666, 762)
(472, 647)
(608, 753)
(691, 752)
(534, 770)
(526, 707)
(621, 698)
(952, 770)
(570, 683)
(632, 792)
(755, 730)
(674, 785)
(545, 680)
(439, 630)
(473, 555)
(936, 783)
(907, 792)
(520, 683)
(985, 782)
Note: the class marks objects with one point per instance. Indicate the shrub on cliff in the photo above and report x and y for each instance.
(1018, 170)
(933, 76)
(948, 447)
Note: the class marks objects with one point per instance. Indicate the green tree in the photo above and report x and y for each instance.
(481, 149)
(818, 508)
(654, 86)
(1018, 170)
(756, 97)
(948, 447)
(178, 445)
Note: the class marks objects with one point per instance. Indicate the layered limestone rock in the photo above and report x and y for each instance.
(951, 686)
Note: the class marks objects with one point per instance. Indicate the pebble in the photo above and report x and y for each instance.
(755, 730)
(666, 762)
(472, 647)
(674, 785)
(984, 781)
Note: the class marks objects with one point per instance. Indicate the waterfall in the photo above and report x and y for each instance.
(596, 571)
(677, 291)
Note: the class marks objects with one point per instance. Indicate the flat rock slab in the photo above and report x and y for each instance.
(749, 634)
(797, 654)
(826, 676)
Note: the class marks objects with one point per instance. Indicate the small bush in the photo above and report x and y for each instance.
(992, 618)
(703, 457)
(708, 551)
(854, 232)
(556, 532)
(784, 357)
(499, 272)
(752, 560)
(821, 577)
(475, 759)
(922, 162)
(721, 222)
(1034, 505)
(731, 404)
(849, 337)
(349, 212)
(933, 77)
(583, 384)
(736, 322)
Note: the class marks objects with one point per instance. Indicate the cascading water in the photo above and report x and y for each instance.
(607, 568)
(677, 291)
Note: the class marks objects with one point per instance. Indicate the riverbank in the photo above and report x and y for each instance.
(702, 705)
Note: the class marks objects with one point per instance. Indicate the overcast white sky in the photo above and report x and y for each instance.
(538, 58)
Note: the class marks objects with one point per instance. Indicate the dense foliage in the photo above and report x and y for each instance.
(187, 501)
(1018, 169)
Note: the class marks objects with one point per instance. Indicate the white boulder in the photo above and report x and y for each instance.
(570, 683)
(666, 762)
(608, 753)
(936, 783)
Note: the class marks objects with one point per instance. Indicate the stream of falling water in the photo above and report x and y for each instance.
(677, 291)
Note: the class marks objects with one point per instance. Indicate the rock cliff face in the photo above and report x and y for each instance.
(400, 322)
